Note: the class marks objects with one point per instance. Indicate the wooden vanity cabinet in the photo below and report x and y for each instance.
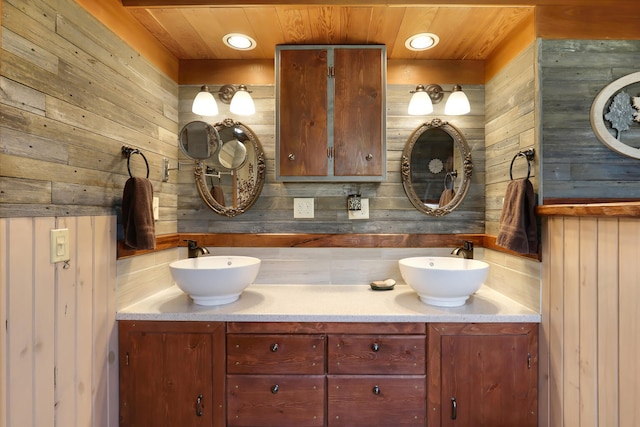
(483, 375)
(171, 373)
(330, 113)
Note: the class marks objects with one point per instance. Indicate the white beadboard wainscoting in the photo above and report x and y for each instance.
(58, 351)
(590, 334)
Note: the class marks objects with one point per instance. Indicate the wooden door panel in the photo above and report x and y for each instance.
(358, 112)
(302, 110)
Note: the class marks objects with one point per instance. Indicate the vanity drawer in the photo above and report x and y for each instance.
(275, 354)
(376, 400)
(376, 354)
(276, 400)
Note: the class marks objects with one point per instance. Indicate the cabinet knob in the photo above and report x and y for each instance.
(375, 347)
(376, 390)
(369, 157)
(275, 388)
(199, 405)
(292, 156)
(274, 347)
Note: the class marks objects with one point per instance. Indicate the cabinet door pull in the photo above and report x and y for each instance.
(274, 347)
(528, 360)
(376, 390)
(292, 156)
(275, 389)
(454, 408)
(199, 406)
(375, 347)
(369, 157)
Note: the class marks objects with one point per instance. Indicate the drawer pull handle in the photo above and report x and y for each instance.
(375, 347)
(274, 347)
(454, 408)
(275, 389)
(199, 406)
(376, 390)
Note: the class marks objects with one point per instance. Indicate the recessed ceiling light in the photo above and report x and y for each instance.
(422, 41)
(239, 41)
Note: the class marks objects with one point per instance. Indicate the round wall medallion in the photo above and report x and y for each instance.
(435, 165)
(621, 113)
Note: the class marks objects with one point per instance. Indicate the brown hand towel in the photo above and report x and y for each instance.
(518, 227)
(218, 194)
(137, 214)
(446, 197)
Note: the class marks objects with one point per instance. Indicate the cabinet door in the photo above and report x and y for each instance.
(302, 112)
(358, 112)
(166, 375)
(488, 375)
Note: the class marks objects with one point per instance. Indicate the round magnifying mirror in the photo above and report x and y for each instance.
(232, 154)
(199, 140)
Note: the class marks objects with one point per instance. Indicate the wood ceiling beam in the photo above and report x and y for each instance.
(484, 3)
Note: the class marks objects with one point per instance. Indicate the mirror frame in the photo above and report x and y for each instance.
(201, 179)
(467, 166)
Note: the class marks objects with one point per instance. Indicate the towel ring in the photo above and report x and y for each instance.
(451, 177)
(127, 152)
(528, 154)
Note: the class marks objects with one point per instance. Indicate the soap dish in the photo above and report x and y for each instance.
(383, 285)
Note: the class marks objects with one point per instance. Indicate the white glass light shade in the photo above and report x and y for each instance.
(204, 103)
(458, 103)
(420, 104)
(242, 103)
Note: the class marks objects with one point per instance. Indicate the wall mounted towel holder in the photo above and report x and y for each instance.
(127, 152)
(528, 154)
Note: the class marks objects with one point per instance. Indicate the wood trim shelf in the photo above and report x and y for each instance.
(621, 209)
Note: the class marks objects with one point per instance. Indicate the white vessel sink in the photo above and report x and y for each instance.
(214, 280)
(443, 281)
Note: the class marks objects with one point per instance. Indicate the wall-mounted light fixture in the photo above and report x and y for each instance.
(424, 97)
(239, 99)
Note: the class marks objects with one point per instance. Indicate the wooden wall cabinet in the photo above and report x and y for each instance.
(330, 113)
(171, 374)
(483, 375)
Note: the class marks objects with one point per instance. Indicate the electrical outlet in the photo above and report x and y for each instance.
(303, 208)
(363, 213)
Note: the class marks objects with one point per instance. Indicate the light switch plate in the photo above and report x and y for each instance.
(156, 208)
(303, 208)
(363, 213)
(59, 245)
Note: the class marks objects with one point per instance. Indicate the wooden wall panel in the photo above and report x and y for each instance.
(73, 93)
(589, 374)
(577, 165)
(59, 366)
(390, 209)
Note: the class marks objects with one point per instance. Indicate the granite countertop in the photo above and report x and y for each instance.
(328, 303)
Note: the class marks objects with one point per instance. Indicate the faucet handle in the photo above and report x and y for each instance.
(191, 244)
(467, 245)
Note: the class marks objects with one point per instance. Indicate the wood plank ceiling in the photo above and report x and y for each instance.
(466, 32)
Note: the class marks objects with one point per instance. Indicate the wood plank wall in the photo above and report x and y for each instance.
(58, 360)
(390, 209)
(576, 165)
(510, 127)
(72, 95)
(589, 374)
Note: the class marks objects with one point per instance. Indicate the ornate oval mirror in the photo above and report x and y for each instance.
(230, 179)
(436, 168)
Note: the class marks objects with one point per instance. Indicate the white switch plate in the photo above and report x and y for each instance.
(363, 213)
(156, 208)
(303, 208)
(59, 245)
